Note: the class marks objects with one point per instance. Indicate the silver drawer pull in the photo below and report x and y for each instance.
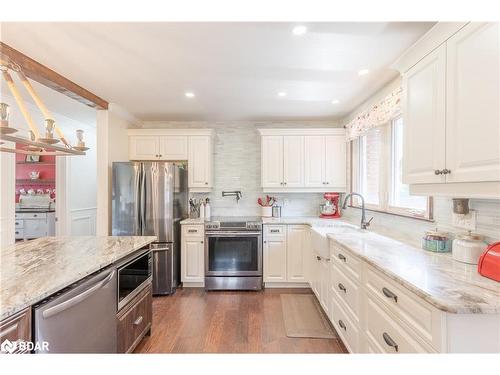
(318, 257)
(138, 321)
(342, 325)
(342, 288)
(389, 294)
(389, 341)
(274, 230)
(342, 257)
(192, 230)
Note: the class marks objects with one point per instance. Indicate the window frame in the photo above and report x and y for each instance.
(386, 179)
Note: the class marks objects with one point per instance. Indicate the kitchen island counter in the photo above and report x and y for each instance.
(33, 270)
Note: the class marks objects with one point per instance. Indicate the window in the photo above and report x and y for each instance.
(377, 172)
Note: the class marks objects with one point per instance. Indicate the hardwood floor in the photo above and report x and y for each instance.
(195, 321)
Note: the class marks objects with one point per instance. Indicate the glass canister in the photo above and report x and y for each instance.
(437, 242)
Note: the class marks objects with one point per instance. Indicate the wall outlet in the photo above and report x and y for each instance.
(467, 222)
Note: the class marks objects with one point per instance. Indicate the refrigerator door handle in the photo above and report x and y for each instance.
(137, 199)
(142, 205)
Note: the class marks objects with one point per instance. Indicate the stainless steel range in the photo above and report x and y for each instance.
(233, 253)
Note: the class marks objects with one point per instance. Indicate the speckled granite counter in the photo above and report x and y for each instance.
(449, 285)
(33, 270)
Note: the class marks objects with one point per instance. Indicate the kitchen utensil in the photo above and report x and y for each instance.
(276, 210)
(437, 242)
(468, 247)
(489, 262)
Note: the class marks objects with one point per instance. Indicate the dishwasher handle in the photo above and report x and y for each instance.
(77, 299)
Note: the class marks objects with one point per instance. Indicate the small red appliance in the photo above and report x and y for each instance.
(489, 262)
(330, 209)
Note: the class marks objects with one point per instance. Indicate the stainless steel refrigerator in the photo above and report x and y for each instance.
(150, 199)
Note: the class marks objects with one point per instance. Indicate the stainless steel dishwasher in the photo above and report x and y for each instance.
(80, 318)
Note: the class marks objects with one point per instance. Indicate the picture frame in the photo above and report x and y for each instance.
(32, 158)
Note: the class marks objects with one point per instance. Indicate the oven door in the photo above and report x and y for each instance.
(233, 254)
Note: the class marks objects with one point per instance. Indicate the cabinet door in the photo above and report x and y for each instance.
(200, 162)
(324, 285)
(144, 147)
(314, 274)
(275, 260)
(272, 161)
(293, 161)
(35, 228)
(173, 147)
(473, 101)
(192, 261)
(424, 119)
(335, 162)
(297, 246)
(314, 155)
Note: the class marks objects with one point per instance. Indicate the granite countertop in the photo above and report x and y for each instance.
(448, 285)
(33, 270)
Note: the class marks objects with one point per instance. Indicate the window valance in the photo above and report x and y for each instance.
(378, 115)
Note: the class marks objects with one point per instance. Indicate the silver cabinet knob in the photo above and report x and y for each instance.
(437, 172)
(446, 171)
(201, 241)
(206, 183)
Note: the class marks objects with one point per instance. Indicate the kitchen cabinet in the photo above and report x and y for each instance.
(134, 321)
(30, 225)
(297, 246)
(144, 147)
(200, 162)
(424, 119)
(275, 254)
(325, 162)
(451, 97)
(324, 284)
(192, 255)
(173, 147)
(472, 104)
(303, 160)
(17, 328)
(272, 161)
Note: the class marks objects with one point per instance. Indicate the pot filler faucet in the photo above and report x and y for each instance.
(235, 193)
(364, 224)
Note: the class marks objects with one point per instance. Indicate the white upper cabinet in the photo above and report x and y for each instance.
(144, 147)
(473, 100)
(451, 109)
(293, 165)
(305, 160)
(424, 119)
(200, 162)
(193, 145)
(174, 147)
(315, 161)
(335, 162)
(272, 161)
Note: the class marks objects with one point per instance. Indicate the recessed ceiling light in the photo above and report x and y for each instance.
(362, 72)
(282, 94)
(335, 101)
(189, 94)
(299, 30)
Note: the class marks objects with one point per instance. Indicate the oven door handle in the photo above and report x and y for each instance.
(233, 234)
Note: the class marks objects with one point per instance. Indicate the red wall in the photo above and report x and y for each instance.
(47, 171)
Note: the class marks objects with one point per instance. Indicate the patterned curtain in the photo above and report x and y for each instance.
(380, 114)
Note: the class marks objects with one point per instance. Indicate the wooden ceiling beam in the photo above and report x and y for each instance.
(47, 77)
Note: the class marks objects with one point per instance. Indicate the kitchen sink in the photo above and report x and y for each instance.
(319, 239)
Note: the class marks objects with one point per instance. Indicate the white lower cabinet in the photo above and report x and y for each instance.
(192, 255)
(285, 248)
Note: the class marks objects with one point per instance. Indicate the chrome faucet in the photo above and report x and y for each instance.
(234, 193)
(364, 224)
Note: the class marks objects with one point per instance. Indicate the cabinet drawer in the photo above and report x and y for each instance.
(346, 290)
(31, 215)
(19, 233)
(386, 333)
(135, 321)
(193, 230)
(411, 309)
(17, 327)
(345, 327)
(275, 230)
(346, 261)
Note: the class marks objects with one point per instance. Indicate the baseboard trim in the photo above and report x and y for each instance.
(286, 285)
(200, 284)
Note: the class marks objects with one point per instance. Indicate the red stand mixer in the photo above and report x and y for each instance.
(330, 209)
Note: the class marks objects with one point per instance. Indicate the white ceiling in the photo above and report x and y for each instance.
(234, 69)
